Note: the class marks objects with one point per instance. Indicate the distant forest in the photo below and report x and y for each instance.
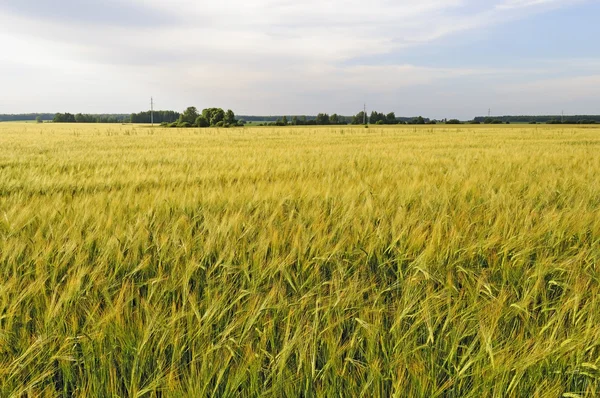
(87, 118)
(572, 119)
(67, 117)
(170, 117)
(174, 118)
(334, 119)
(26, 117)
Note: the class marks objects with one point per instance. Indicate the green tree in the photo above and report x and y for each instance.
(390, 118)
(217, 115)
(359, 118)
(377, 117)
(322, 119)
(39, 119)
(294, 120)
(64, 118)
(201, 122)
(418, 120)
(229, 117)
(334, 119)
(284, 120)
(189, 115)
(207, 113)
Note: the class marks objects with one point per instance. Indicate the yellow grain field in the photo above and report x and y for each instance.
(434, 261)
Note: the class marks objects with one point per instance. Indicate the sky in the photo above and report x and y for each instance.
(436, 58)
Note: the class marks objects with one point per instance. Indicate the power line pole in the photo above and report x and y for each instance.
(365, 114)
(152, 111)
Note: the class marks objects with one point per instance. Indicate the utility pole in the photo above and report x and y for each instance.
(152, 111)
(365, 114)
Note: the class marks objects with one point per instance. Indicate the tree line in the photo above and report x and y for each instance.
(209, 117)
(213, 116)
(324, 119)
(217, 117)
(550, 119)
(89, 118)
(142, 117)
(26, 117)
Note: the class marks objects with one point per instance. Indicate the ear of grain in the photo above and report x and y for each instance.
(392, 261)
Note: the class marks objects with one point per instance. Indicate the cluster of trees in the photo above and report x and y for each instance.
(418, 120)
(390, 118)
(322, 119)
(489, 120)
(87, 118)
(64, 118)
(210, 117)
(380, 118)
(159, 117)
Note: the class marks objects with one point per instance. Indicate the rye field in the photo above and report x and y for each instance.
(433, 261)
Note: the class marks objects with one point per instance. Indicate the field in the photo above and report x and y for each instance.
(430, 261)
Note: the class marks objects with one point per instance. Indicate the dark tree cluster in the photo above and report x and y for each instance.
(210, 117)
(360, 118)
(380, 118)
(489, 120)
(390, 118)
(64, 118)
(322, 119)
(159, 117)
(418, 120)
(87, 118)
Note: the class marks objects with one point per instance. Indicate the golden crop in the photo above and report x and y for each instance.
(406, 261)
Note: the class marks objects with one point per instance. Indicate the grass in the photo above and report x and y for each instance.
(395, 261)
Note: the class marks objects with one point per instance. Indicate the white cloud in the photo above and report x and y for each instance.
(512, 4)
(257, 56)
(559, 88)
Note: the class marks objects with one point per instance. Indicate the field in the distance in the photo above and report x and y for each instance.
(429, 261)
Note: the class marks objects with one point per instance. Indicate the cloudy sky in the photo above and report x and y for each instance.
(436, 58)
